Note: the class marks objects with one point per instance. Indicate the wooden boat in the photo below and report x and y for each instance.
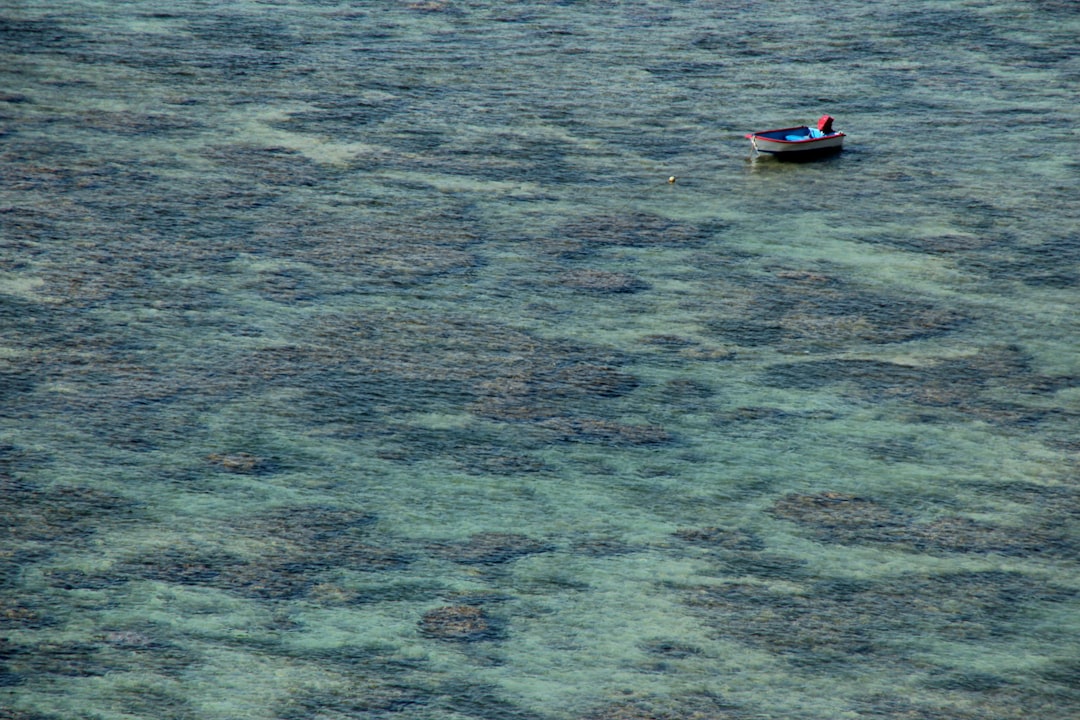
(799, 142)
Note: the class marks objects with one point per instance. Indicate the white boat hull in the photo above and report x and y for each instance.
(783, 147)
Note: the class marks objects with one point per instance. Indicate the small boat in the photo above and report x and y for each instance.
(799, 142)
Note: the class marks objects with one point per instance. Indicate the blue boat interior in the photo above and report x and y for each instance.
(801, 134)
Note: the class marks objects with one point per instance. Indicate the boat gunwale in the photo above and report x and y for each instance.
(761, 135)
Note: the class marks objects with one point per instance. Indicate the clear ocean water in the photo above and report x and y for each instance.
(359, 360)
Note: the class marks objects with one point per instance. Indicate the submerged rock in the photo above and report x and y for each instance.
(666, 340)
(960, 534)
(811, 309)
(492, 548)
(45, 514)
(603, 547)
(601, 281)
(636, 230)
(845, 517)
(575, 429)
(458, 622)
(129, 639)
(592, 380)
(675, 707)
(70, 659)
(969, 385)
(183, 566)
(18, 614)
(718, 537)
(369, 696)
(850, 519)
(739, 552)
(237, 462)
(845, 622)
(308, 526)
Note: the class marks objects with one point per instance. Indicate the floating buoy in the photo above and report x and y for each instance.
(671, 179)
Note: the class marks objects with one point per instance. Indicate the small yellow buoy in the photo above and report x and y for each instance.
(671, 179)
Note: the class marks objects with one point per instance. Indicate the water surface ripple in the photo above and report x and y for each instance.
(359, 360)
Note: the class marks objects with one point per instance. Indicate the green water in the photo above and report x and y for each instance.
(359, 360)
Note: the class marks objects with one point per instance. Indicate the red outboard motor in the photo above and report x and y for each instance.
(824, 124)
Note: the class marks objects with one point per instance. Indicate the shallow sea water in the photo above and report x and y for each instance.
(359, 360)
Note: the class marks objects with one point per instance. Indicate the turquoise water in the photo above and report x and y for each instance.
(359, 360)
